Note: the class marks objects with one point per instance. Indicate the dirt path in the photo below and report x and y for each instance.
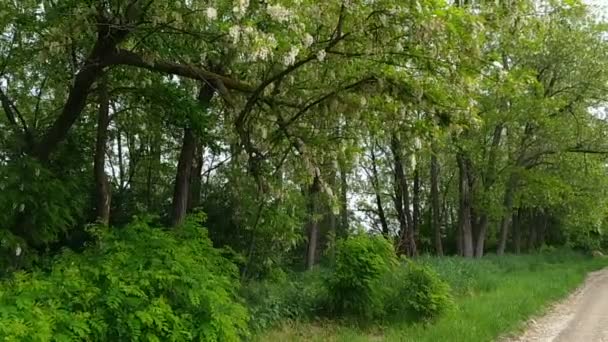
(582, 317)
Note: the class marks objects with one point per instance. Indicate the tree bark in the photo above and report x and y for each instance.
(194, 197)
(416, 205)
(121, 165)
(313, 227)
(102, 186)
(153, 172)
(488, 183)
(182, 179)
(506, 220)
(517, 225)
(407, 243)
(435, 210)
(108, 37)
(543, 229)
(185, 164)
(379, 204)
(343, 200)
(535, 230)
(481, 235)
(464, 215)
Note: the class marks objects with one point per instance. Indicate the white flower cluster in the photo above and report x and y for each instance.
(260, 45)
(240, 8)
(279, 13)
(321, 55)
(235, 33)
(308, 40)
(290, 58)
(211, 13)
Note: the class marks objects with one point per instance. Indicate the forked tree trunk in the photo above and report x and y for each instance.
(488, 182)
(407, 243)
(183, 178)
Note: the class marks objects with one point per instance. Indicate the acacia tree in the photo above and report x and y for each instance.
(275, 117)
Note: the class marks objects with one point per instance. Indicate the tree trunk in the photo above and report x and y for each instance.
(435, 211)
(517, 224)
(107, 39)
(506, 220)
(153, 172)
(121, 164)
(535, 228)
(481, 236)
(313, 227)
(343, 200)
(543, 229)
(416, 206)
(102, 186)
(464, 217)
(488, 182)
(407, 243)
(182, 179)
(380, 206)
(185, 164)
(194, 197)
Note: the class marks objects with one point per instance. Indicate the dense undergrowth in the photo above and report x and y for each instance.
(492, 296)
(151, 284)
(136, 283)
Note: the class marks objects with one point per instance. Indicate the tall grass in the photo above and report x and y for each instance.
(494, 296)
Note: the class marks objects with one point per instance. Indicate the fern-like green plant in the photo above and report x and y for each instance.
(137, 283)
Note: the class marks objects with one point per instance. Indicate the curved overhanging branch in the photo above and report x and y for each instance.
(109, 36)
(125, 57)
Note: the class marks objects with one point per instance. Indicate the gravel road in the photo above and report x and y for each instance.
(582, 317)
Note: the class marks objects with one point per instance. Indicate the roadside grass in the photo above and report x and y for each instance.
(494, 297)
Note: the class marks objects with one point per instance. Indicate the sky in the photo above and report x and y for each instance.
(602, 6)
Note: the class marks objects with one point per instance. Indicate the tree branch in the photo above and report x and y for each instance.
(12, 113)
(124, 57)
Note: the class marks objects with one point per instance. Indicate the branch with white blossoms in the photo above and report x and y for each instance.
(279, 13)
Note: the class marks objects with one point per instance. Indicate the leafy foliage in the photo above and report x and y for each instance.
(136, 283)
(355, 286)
(416, 291)
(286, 297)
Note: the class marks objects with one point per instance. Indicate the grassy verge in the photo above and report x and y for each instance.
(494, 296)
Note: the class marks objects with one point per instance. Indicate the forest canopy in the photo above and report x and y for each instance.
(448, 128)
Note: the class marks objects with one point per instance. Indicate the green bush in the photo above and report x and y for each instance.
(285, 298)
(425, 293)
(355, 286)
(136, 283)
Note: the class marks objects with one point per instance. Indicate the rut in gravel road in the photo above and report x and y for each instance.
(582, 317)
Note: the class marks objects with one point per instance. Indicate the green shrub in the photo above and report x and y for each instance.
(285, 298)
(425, 293)
(355, 286)
(136, 283)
